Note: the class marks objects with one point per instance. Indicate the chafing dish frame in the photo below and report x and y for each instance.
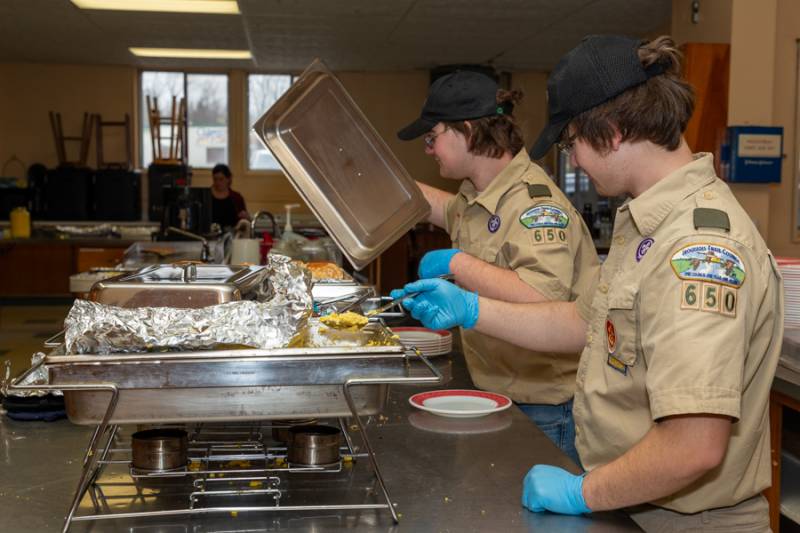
(286, 360)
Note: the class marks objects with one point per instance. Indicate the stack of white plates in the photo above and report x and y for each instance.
(428, 341)
(790, 270)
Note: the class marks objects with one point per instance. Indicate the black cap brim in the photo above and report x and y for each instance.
(549, 136)
(419, 127)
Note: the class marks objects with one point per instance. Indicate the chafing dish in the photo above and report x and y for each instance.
(180, 285)
(225, 385)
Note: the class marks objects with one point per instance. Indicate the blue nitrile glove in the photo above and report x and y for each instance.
(436, 263)
(441, 305)
(549, 488)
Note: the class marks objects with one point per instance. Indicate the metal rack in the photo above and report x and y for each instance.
(100, 450)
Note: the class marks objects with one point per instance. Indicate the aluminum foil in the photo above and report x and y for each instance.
(280, 311)
(37, 377)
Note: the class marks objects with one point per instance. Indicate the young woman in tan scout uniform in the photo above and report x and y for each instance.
(681, 337)
(516, 238)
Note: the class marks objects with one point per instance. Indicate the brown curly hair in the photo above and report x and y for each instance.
(658, 110)
(497, 134)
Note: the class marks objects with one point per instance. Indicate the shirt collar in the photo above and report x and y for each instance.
(650, 208)
(499, 186)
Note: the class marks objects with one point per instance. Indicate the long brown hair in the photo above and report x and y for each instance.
(497, 134)
(658, 110)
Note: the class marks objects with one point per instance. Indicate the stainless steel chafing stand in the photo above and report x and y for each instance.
(202, 372)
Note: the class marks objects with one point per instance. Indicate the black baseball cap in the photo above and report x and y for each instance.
(462, 95)
(598, 69)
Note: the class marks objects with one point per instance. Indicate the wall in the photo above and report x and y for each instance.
(28, 91)
(389, 100)
(750, 28)
(782, 197)
(750, 96)
(714, 25)
(531, 113)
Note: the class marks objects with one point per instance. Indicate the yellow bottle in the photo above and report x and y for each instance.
(20, 223)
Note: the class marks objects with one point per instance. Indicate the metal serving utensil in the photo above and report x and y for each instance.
(397, 301)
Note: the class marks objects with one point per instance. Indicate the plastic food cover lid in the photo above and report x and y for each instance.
(342, 168)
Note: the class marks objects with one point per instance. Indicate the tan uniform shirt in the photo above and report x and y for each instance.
(687, 318)
(523, 222)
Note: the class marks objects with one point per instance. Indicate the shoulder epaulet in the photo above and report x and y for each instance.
(537, 189)
(705, 217)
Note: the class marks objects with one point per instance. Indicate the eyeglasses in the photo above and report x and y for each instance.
(430, 138)
(566, 146)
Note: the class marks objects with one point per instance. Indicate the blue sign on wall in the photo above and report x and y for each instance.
(754, 154)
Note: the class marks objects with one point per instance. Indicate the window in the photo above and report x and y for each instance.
(206, 110)
(262, 91)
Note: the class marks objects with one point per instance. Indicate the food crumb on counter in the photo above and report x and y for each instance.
(447, 499)
(491, 465)
(483, 512)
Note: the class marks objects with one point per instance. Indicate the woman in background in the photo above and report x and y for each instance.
(227, 205)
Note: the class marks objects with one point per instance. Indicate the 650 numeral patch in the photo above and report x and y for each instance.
(548, 235)
(710, 297)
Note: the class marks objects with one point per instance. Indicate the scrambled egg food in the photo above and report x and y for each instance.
(348, 320)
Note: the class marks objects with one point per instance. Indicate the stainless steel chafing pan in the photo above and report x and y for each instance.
(227, 385)
(173, 285)
(341, 166)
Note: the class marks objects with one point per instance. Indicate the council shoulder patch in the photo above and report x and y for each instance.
(544, 216)
(709, 262)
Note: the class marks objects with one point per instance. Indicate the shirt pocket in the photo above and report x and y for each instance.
(622, 333)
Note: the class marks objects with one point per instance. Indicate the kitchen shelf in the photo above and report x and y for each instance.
(790, 486)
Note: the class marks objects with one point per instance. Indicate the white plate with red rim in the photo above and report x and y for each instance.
(460, 403)
(429, 341)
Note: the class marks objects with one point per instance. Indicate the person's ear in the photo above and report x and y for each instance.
(616, 139)
(467, 130)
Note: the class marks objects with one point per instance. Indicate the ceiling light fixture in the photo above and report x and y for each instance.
(217, 7)
(191, 53)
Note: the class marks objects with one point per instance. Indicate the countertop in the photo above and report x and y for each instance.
(442, 474)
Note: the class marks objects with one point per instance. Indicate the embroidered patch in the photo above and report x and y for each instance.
(544, 216)
(709, 262)
(494, 223)
(548, 235)
(710, 297)
(643, 247)
(611, 336)
(617, 365)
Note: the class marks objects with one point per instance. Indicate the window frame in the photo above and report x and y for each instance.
(139, 110)
(245, 157)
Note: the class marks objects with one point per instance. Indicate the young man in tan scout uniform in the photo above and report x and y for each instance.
(682, 335)
(516, 238)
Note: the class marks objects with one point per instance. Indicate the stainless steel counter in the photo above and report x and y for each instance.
(443, 475)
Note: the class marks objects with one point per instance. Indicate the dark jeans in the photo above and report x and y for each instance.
(557, 423)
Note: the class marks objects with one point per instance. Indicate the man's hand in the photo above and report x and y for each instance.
(549, 488)
(441, 304)
(436, 263)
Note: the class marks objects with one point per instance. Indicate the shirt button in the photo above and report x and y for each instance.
(603, 288)
(619, 240)
(708, 195)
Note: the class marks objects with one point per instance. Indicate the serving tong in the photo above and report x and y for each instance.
(397, 301)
